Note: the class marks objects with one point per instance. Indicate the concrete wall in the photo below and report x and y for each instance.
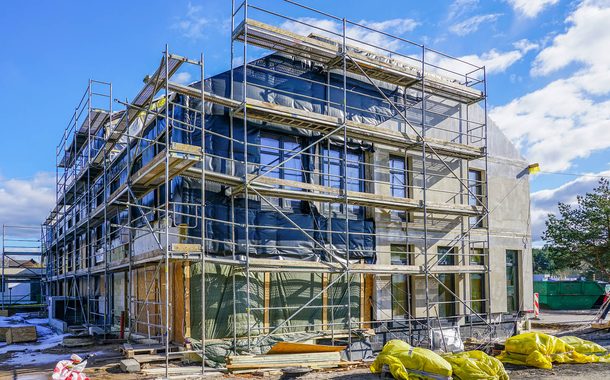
(509, 223)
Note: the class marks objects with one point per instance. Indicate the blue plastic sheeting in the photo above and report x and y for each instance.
(271, 234)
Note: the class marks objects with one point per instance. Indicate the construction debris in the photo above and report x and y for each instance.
(129, 365)
(78, 341)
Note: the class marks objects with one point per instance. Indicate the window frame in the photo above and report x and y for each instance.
(281, 153)
(331, 179)
(478, 189)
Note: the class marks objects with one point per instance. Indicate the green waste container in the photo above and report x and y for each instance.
(568, 295)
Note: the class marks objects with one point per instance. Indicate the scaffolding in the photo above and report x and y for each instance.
(118, 226)
(22, 268)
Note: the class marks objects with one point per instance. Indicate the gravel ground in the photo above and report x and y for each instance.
(105, 365)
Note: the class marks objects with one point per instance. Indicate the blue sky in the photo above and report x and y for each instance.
(548, 82)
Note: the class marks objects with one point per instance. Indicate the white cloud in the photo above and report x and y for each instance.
(544, 202)
(494, 61)
(334, 30)
(193, 23)
(569, 118)
(461, 7)
(472, 24)
(584, 42)
(182, 77)
(531, 8)
(27, 202)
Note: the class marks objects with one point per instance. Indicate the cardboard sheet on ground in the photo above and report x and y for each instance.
(407, 362)
(476, 365)
(540, 350)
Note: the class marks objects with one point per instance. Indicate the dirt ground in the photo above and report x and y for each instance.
(104, 365)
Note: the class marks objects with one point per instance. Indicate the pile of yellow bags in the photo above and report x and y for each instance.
(476, 365)
(531, 349)
(406, 362)
(541, 350)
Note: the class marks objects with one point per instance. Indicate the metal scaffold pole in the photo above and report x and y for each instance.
(345, 196)
(424, 195)
(203, 217)
(167, 218)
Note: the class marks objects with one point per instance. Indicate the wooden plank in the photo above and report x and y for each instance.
(285, 358)
(3, 331)
(369, 294)
(187, 299)
(185, 247)
(302, 348)
(329, 364)
(21, 334)
(266, 300)
(178, 300)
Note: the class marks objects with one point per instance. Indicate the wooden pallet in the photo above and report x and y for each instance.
(133, 350)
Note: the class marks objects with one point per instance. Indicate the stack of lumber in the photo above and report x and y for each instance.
(285, 355)
(314, 360)
(21, 334)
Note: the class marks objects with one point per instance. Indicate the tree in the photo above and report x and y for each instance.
(579, 237)
(543, 262)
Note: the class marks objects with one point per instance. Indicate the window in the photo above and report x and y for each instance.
(398, 177)
(446, 300)
(401, 290)
(334, 174)
(477, 281)
(477, 292)
(399, 182)
(512, 280)
(475, 195)
(274, 150)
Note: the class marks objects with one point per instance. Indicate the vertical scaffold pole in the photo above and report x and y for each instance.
(203, 221)
(246, 193)
(486, 255)
(232, 172)
(130, 200)
(167, 194)
(345, 197)
(424, 191)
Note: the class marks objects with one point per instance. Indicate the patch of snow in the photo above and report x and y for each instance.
(27, 359)
(47, 338)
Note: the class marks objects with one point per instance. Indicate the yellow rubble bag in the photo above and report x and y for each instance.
(540, 350)
(583, 346)
(406, 362)
(471, 365)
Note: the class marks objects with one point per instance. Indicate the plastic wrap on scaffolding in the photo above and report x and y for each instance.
(287, 292)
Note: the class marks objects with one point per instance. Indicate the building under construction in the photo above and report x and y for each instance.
(324, 188)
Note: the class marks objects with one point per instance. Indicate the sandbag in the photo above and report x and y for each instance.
(541, 350)
(407, 362)
(583, 346)
(471, 365)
